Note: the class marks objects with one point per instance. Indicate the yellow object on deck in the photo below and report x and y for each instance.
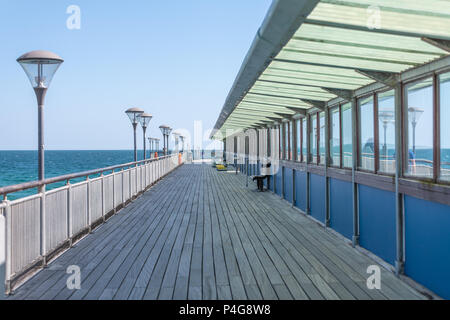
(221, 167)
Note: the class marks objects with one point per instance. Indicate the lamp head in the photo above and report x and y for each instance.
(133, 114)
(40, 67)
(144, 119)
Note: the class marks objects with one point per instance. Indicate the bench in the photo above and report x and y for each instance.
(260, 179)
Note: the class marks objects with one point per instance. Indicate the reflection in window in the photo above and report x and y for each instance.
(366, 134)
(313, 139)
(304, 137)
(444, 91)
(419, 111)
(386, 131)
(298, 139)
(322, 137)
(347, 135)
(335, 137)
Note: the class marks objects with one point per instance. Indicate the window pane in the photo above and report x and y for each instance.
(313, 138)
(386, 131)
(304, 137)
(322, 137)
(291, 142)
(419, 104)
(335, 138)
(298, 139)
(286, 141)
(366, 134)
(444, 90)
(347, 132)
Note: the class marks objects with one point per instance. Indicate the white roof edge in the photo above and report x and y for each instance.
(281, 22)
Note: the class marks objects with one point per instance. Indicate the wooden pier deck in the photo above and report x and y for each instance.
(201, 234)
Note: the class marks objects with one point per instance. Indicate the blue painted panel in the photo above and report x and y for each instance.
(317, 197)
(300, 190)
(377, 222)
(288, 184)
(278, 177)
(341, 208)
(427, 244)
(271, 182)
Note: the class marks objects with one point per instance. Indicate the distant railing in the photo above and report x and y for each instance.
(41, 225)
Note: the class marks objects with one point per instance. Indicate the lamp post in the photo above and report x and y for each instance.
(150, 142)
(182, 143)
(40, 66)
(156, 141)
(177, 139)
(386, 116)
(144, 119)
(165, 130)
(414, 116)
(133, 114)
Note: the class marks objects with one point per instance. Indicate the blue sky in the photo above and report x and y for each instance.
(175, 59)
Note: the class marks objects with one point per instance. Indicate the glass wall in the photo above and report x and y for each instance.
(322, 138)
(386, 131)
(366, 150)
(335, 137)
(304, 137)
(419, 113)
(444, 102)
(347, 132)
(313, 138)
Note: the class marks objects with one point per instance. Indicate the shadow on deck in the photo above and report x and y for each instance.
(201, 234)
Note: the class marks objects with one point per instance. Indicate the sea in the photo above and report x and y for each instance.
(21, 166)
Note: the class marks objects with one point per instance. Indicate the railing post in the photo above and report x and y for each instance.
(103, 197)
(129, 184)
(5, 250)
(43, 243)
(114, 191)
(69, 212)
(89, 219)
(123, 187)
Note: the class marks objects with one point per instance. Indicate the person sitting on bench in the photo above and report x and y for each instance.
(265, 174)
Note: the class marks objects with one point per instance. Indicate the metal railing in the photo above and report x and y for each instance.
(41, 225)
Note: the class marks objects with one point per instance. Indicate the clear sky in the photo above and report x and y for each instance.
(176, 59)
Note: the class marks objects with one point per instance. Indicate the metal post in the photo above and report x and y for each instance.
(355, 238)
(135, 145)
(145, 151)
(327, 162)
(5, 251)
(69, 212)
(399, 218)
(308, 160)
(40, 95)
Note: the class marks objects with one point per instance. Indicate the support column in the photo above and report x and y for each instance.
(399, 214)
(308, 160)
(355, 238)
(327, 163)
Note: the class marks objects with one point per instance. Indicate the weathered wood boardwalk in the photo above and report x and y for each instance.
(201, 234)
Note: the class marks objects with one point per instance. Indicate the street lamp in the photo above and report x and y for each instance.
(133, 114)
(414, 116)
(144, 119)
(40, 66)
(386, 117)
(166, 130)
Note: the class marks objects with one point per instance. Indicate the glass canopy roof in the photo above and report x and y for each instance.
(334, 47)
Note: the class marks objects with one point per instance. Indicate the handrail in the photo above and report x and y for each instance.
(34, 184)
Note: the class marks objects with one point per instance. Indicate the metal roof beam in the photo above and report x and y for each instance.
(387, 78)
(315, 103)
(341, 93)
(440, 43)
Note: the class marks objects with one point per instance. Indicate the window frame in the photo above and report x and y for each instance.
(330, 147)
(358, 131)
(377, 131)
